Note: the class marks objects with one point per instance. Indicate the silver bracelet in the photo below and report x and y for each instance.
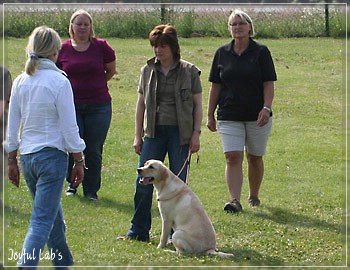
(267, 108)
(78, 160)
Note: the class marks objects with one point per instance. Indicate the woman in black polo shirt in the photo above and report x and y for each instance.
(242, 79)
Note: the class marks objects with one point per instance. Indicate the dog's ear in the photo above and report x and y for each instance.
(164, 172)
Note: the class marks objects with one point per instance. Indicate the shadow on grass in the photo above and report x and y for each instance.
(251, 257)
(13, 212)
(284, 216)
(105, 202)
(122, 206)
(245, 257)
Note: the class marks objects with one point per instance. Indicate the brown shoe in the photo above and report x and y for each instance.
(233, 206)
(253, 201)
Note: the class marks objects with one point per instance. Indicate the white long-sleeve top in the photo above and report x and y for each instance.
(42, 114)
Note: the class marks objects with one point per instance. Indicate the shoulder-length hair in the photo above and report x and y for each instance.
(72, 18)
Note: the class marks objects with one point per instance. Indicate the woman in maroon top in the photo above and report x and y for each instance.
(89, 63)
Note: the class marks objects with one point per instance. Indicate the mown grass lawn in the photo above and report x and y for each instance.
(301, 221)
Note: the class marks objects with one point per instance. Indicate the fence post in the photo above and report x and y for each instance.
(326, 12)
(162, 13)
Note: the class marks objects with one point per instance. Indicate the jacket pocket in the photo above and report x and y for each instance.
(185, 94)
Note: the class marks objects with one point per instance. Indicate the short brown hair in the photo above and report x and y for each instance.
(245, 18)
(165, 34)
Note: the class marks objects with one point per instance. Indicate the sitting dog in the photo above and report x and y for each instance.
(181, 210)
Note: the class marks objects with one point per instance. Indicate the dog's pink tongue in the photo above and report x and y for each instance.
(145, 181)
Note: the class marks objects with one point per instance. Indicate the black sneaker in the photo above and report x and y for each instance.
(71, 191)
(233, 206)
(142, 238)
(91, 197)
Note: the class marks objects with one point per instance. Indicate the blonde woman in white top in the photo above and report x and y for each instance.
(42, 128)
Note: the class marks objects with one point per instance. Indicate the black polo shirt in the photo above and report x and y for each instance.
(242, 77)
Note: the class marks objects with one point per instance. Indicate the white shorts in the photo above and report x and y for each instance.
(237, 135)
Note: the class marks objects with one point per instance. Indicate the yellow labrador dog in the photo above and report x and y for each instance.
(181, 210)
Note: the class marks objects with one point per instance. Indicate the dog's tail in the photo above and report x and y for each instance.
(222, 255)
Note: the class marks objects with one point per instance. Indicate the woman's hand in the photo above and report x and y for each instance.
(195, 142)
(13, 172)
(211, 123)
(138, 142)
(263, 118)
(77, 175)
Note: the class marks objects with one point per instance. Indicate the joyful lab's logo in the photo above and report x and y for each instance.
(24, 256)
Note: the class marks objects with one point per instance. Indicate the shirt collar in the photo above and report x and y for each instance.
(154, 63)
(228, 47)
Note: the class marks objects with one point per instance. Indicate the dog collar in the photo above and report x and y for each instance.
(172, 196)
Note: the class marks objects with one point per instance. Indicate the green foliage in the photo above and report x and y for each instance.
(277, 22)
(301, 221)
(337, 23)
(184, 23)
(125, 24)
(21, 23)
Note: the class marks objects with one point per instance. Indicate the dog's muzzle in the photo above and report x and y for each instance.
(146, 180)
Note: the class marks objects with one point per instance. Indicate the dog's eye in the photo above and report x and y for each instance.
(151, 167)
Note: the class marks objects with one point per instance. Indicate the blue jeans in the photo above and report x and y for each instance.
(166, 141)
(44, 172)
(93, 122)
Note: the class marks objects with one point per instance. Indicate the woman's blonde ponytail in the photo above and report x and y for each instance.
(43, 43)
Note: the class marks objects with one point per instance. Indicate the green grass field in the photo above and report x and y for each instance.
(302, 218)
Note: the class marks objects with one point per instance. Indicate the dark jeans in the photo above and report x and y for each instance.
(166, 141)
(93, 122)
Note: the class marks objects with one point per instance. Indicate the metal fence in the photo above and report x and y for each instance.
(269, 20)
(191, 20)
